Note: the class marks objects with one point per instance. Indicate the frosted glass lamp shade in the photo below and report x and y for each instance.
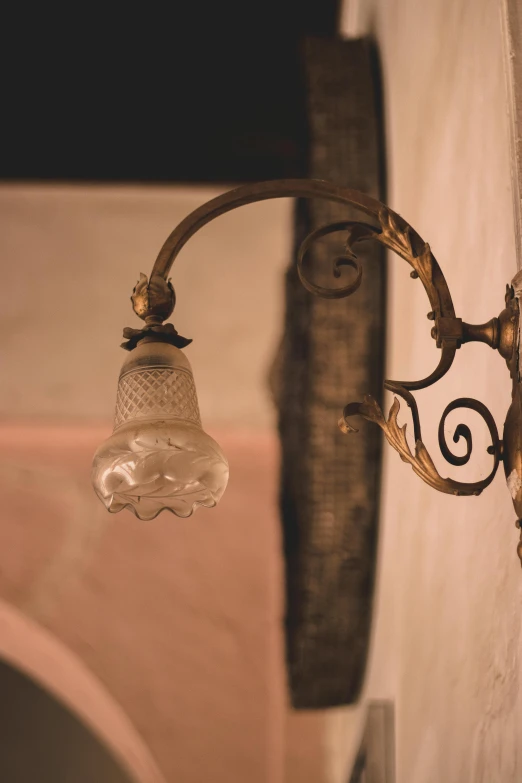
(158, 456)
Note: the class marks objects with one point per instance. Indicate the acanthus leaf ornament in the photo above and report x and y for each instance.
(421, 461)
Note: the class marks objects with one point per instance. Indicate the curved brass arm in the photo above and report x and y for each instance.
(393, 232)
(261, 191)
(154, 301)
(402, 238)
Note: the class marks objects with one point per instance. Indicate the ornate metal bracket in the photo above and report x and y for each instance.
(154, 301)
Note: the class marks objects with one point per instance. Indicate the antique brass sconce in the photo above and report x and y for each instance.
(160, 458)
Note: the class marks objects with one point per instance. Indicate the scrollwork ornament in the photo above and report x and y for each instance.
(421, 461)
(356, 232)
(395, 234)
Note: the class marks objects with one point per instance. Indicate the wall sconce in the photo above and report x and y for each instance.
(159, 457)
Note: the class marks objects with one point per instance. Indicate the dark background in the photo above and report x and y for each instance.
(196, 91)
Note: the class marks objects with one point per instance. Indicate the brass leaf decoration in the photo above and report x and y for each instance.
(153, 298)
(421, 462)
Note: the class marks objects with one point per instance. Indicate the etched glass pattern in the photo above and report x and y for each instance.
(158, 391)
(158, 456)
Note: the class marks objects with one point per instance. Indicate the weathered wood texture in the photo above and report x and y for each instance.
(331, 353)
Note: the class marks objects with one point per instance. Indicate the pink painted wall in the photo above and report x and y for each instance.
(180, 619)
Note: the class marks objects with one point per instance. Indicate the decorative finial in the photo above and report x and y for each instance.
(153, 301)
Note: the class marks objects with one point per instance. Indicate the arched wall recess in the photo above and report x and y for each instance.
(41, 673)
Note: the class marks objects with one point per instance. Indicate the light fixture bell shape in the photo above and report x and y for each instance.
(158, 456)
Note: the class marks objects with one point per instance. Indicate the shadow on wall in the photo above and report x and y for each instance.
(57, 723)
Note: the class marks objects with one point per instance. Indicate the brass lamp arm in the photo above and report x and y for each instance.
(393, 232)
(154, 301)
(263, 191)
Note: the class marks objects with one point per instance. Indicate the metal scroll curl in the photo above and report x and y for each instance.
(357, 232)
(420, 460)
(398, 238)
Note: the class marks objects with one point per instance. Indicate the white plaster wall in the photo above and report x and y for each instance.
(447, 644)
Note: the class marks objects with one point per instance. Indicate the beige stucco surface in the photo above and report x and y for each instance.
(447, 644)
(71, 256)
